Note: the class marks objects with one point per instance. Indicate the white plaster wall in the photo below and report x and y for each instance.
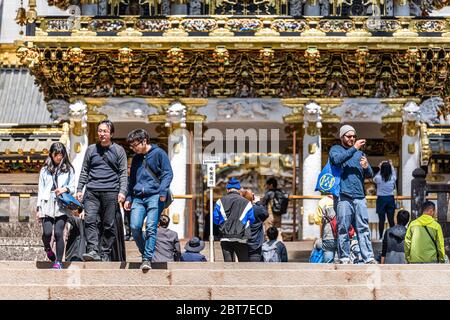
(178, 159)
(409, 163)
(77, 158)
(9, 31)
(312, 165)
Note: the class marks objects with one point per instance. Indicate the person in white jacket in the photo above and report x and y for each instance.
(56, 177)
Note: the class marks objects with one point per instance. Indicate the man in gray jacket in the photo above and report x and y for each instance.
(104, 174)
(167, 244)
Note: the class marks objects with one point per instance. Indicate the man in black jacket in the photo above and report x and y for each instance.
(233, 214)
(104, 174)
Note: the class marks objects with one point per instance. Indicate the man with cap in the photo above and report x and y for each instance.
(234, 214)
(351, 205)
(192, 253)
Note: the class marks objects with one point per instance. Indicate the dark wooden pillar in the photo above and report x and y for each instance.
(418, 192)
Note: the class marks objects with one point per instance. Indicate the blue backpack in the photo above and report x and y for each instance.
(316, 256)
(329, 179)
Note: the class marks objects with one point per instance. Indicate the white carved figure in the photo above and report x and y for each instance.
(59, 110)
(78, 111)
(313, 112)
(119, 109)
(366, 110)
(431, 111)
(176, 113)
(411, 111)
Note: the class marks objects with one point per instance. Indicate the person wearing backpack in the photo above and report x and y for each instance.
(148, 192)
(424, 241)
(393, 249)
(351, 206)
(274, 250)
(276, 202)
(317, 254)
(325, 216)
(104, 174)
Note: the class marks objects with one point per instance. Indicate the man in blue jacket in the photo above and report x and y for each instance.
(150, 178)
(351, 203)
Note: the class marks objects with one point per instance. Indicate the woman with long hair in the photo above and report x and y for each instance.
(385, 180)
(56, 177)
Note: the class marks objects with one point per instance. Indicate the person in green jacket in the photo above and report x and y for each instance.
(424, 242)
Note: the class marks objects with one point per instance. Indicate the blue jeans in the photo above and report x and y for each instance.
(329, 249)
(353, 212)
(151, 209)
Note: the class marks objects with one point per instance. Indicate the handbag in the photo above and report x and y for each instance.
(329, 179)
(65, 199)
(169, 197)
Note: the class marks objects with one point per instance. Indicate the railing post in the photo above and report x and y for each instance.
(418, 192)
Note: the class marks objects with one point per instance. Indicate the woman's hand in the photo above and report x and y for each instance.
(60, 190)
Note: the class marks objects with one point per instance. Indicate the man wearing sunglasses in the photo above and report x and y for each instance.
(351, 203)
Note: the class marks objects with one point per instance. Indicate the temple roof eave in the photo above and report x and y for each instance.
(207, 43)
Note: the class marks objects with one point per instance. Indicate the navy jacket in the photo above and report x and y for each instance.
(141, 182)
(256, 229)
(352, 178)
(192, 257)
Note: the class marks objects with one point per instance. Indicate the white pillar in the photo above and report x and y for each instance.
(312, 165)
(78, 136)
(312, 8)
(401, 8)
(410, 158)
(178, 155)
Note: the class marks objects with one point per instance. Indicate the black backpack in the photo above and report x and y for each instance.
(280, 202)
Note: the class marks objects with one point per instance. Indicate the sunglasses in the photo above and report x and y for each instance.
(350, 137)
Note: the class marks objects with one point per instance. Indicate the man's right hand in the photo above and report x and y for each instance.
(79, 196)
(127, 205)
(359, 143)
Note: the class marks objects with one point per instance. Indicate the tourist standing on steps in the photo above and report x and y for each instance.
(233, 213)
(56, 177)
(150, 178)
(424, 241)
(351, 203)
(256, 237)
(104, 175)
(385, 180)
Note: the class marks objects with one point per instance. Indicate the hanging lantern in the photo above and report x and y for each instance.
(21, 17)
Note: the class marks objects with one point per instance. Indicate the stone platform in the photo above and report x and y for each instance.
(211, 281)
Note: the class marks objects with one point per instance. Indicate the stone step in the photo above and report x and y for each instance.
(248, 266)
(235, 293)
(26, 280)
(230, 277)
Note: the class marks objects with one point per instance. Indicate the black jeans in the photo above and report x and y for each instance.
(47, 226)
(100, 208)
(255, 255)
(229, 248)
(385, 206)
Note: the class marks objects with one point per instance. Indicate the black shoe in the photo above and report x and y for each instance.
(91, 256)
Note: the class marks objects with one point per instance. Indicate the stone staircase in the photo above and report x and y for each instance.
(24, 280)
